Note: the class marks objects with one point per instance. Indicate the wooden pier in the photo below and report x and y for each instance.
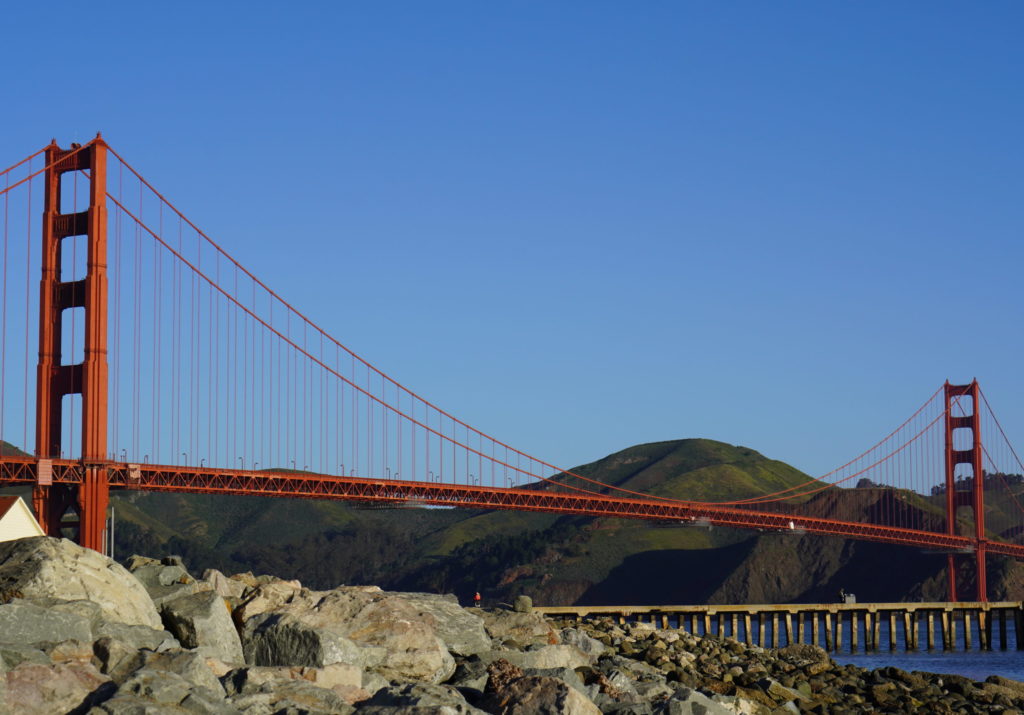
(833, 626)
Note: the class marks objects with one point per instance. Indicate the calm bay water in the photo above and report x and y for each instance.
(975, 663)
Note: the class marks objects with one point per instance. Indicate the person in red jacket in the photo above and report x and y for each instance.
(476, 599)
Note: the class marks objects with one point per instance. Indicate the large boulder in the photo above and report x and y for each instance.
(461, 629)
(158, 691)
(24, 623)
(45, 567)
(405, 633)
(281, 639)
(164, 580)
(193, 667)
(201, 620)
(34, 689)
(418, 698)
(345, 680)
(538, 694)
(291, 696)
(225, 587)
(522, 628)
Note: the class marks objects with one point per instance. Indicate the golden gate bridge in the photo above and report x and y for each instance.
(148, 358)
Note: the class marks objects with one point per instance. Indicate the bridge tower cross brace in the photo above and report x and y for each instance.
(54, 380)
(975, 498)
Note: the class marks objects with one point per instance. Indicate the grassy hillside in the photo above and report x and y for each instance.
(567, 559)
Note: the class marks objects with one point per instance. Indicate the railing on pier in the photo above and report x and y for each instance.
(945, 625)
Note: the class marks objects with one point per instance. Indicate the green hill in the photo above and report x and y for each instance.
(566, 559)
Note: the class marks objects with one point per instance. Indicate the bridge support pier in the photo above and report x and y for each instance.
(956, 397)
(54, 378)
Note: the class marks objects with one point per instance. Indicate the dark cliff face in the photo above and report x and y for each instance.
(565, 560)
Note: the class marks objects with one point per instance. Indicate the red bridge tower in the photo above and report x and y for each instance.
(52, 502)
(975, 498)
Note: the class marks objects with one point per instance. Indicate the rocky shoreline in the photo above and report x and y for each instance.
(79, 633)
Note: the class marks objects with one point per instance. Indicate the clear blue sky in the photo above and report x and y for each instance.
(583, 225)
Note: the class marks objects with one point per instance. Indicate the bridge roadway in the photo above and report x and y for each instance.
(205, 480)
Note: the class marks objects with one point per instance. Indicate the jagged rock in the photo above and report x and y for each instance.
(45, 567)
(224, 587)
(161, 691)
(392, 625)
(202, 621)
(24, 623)
(267, 597)
(12, 655)
(778, 692)
(70, 651)
(189, 665)
(344, 679)
(418, 698)
(555, 656)
(292, 696)
(686, 701)
(136, 636)
(587, 645)
(522, 604)
(461, 629)
(282, 639)
(164, 580)
(567, 675)
(532, 694)
(524, 628)
(549, 656)
(117, 660)
(470, 675)
(801, 654)
(34, 689)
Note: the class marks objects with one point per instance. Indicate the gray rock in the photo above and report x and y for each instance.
(418, 698)
(292, 696)
(590, 646)
(522, 604)
(202, 620)
(402, 637)
(690, 702)
(340, 677)
(160, 691)
(461, 629)
(44, 567)
(282, 639)
(524, 628)
(189, 665)
(34, 689)
(11, 656)
(224, 587)
(566, 675)
(117, 660)
(23, 623)
(136, 636)
(531, 694)
(470, 675)
(164, 581)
